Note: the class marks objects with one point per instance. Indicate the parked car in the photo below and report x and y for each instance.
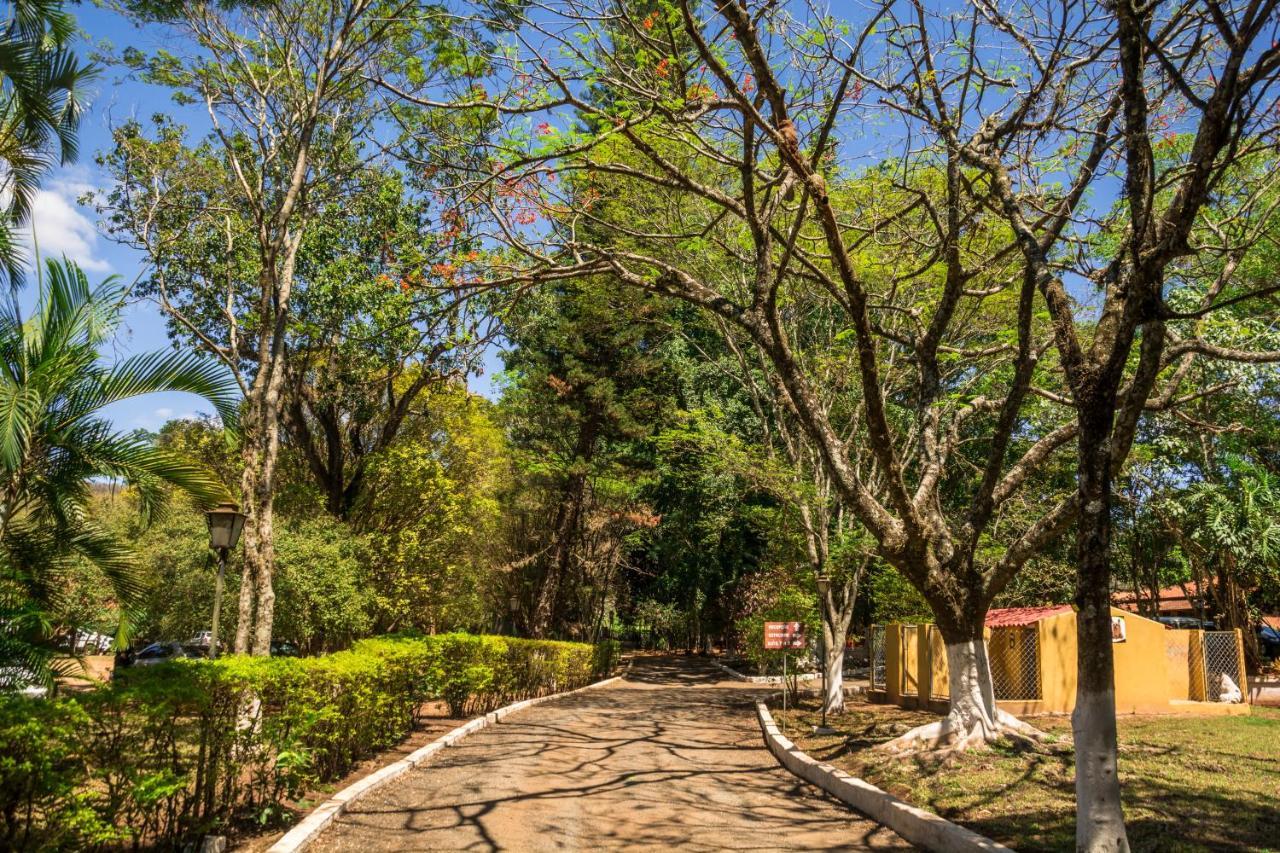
(1183, 623)
(19, 679)
(94, 643)
(157, 653)
(200, 640)
(284, 649)
(1269, 641)
(86, 642)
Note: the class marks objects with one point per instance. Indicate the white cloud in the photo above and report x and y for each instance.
(62, 229)
(159, 417)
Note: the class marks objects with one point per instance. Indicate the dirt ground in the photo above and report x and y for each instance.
(670, 758)
(96, 669)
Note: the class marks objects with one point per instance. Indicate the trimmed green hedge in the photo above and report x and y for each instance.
(176, 751)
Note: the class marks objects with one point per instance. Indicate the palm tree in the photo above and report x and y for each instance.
(40, 106)
(54, 442)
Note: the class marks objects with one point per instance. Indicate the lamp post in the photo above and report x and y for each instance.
(824, 585)
(513, 604)
(225, 523)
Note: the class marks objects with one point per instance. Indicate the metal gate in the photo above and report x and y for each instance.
(1221, 661)
(1014, 656)
(877, 657)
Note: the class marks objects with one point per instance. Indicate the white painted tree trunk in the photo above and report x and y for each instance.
(1099, 818)
(834, 668)
(973, 719)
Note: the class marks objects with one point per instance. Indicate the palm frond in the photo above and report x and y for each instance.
(167, 371)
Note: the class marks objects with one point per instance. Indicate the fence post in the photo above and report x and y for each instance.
(1198, 689)
(924, 655)
(1244, 675)
(893, 662)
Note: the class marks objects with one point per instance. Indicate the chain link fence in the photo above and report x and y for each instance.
(1223, 681)
(1014, 655)
(876, 661)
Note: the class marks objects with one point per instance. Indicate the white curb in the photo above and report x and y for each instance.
(319, 819)
(920, 827)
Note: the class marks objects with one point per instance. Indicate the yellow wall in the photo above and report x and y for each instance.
(1057, 635)
(1004, 654)
(911, 659)
(1142, 674)
(1154, 666)
(893, 662)
(1143, 677)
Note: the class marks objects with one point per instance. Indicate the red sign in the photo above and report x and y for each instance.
(784, 635)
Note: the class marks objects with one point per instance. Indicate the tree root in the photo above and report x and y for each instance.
(955, 734)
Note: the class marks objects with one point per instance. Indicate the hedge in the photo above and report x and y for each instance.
(173, 752)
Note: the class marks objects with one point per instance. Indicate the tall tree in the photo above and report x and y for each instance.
(589, 382)
(713, 202)
(288, 91)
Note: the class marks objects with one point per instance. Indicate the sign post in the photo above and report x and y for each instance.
(782, 636)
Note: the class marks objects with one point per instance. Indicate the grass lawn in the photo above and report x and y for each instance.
(1189, 783)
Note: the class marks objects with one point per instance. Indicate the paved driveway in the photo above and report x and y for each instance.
(671, 759)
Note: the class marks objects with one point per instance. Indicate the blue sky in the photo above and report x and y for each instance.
(63, 226)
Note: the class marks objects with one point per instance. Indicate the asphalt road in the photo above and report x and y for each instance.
(671, 759)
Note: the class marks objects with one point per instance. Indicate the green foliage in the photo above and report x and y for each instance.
(173, 752)
(776, 596)
(431, 505)
(893, 597)
(324, 599)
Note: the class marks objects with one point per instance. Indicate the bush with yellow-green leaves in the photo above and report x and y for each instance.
(172, 752)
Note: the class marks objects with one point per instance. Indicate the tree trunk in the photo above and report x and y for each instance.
(837, 614)
(558, 566)
(261, 450)
(565, 528)
(259, 557)
(1099, 816)
(244, 625)
(833, 639)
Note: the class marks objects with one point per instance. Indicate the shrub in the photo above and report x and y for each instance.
(173, 752)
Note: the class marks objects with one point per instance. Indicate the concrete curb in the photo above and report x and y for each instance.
(766, 679)
(318, 820)
(920, 827)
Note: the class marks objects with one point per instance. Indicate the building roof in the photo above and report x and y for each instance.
(1170, 601)
(1013, 617)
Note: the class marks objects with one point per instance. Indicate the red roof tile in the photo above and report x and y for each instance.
(1013, 617)
(1169, 600)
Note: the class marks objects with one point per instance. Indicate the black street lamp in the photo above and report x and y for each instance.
(824, 586)
(225, 523)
